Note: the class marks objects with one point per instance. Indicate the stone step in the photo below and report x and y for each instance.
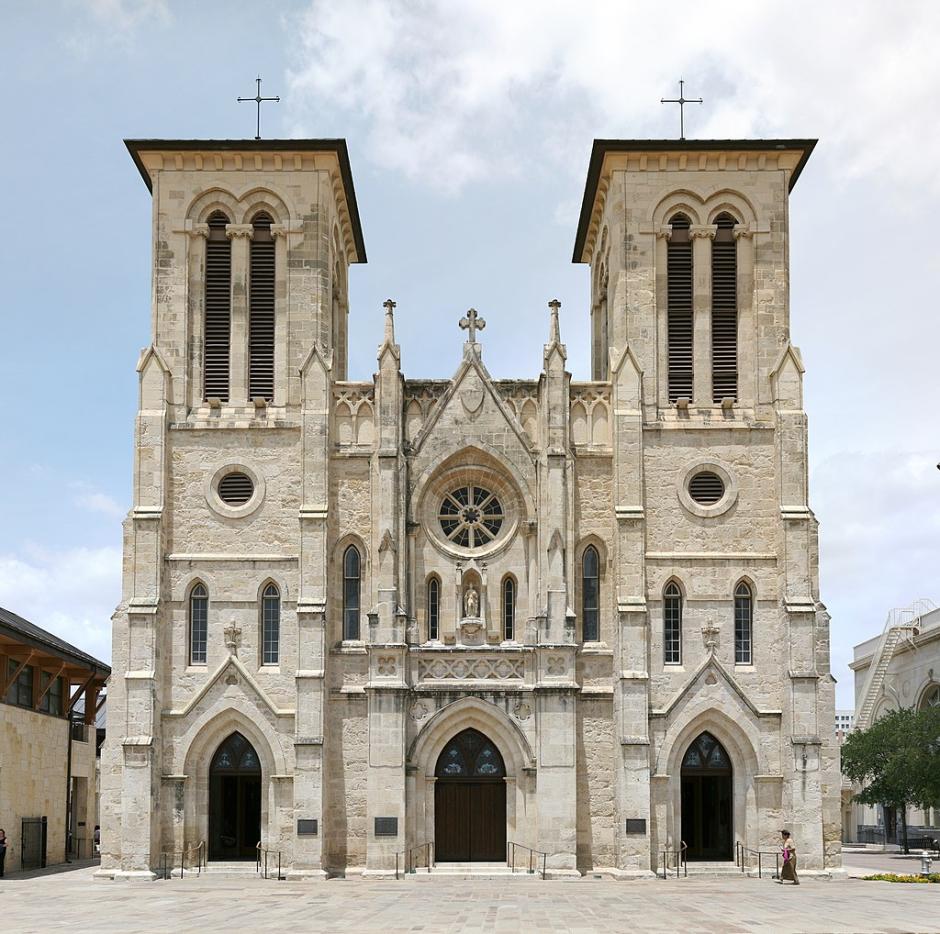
(471, 871)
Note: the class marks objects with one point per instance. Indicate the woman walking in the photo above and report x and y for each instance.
(789, 859)
(3, 849)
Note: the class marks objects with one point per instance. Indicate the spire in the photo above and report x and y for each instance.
(554, 332)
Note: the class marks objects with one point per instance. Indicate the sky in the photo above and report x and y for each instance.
(469, 129)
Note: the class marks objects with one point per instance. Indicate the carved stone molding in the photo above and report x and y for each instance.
(703, 230)
(232, 231)
(471, 669)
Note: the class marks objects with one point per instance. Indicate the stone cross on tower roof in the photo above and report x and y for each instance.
(472, 322)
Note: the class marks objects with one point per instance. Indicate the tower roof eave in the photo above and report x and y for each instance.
(337, 146)
(604, 146)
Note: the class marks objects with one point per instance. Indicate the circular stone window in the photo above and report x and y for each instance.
(706, 488)
(235, 489)
(470, 516)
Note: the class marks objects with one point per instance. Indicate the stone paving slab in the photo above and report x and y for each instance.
(74, 902)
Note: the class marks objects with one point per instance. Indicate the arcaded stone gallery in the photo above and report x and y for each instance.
(364, 616)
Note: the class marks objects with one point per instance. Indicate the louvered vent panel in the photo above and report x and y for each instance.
(706, 488)
(218, 310)
(724, 311)
(235, 489)
(261, 312)
(679, 298)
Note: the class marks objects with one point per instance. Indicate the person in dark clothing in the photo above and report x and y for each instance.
(3, 849)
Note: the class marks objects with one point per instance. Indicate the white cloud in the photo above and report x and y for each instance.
(95, 501)
(71, 593)
(880, 529)
(453, 93)
(113, 22)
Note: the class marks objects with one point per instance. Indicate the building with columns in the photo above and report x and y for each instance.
(362, 616)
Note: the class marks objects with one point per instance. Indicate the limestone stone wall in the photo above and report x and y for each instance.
(598, 811)
(33, 768)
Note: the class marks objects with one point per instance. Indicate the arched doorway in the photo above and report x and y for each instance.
(234, 800)
(707, 800)
(470, 801)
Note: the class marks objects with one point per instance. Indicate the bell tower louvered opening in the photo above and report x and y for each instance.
(725, 310)
(261, 310)
(679, 304)
(218, 310)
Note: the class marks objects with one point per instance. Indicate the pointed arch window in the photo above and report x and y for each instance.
(743, 625)
(198, 624)
(590, 595)
(217, 337)
(509, 609)
(352, 586)
(434, 609)
(725, 310)
(270, 625)
(261, 310)
(679, 308)
(672, 624)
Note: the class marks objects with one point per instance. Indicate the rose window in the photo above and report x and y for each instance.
(471, 516)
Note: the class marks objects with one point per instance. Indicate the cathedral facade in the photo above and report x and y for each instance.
(582, 618)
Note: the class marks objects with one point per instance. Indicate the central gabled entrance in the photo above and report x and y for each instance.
(707, 795)
(470, 801)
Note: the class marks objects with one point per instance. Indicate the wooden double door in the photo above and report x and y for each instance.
(707, 800)
(470, 801)
(470, 821)
(234, 800)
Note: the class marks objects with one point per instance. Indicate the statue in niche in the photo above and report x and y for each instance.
(471, 602)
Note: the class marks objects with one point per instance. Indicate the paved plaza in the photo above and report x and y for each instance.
(71, 900)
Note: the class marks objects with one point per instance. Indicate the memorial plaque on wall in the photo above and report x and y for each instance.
(306, 827)
(636, 825)
(386, 826)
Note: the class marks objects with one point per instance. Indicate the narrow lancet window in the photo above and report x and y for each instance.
(672, 624)
(743, 625)
(590, 595)
(509, 609)
(352, 579)
(725, 310)
(679, 308)
(261, 310)
(434, 609)
(270, 626)
(217, 339)
(198, 624)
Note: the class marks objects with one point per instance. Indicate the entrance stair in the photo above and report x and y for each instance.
(234, 869)
(472, 871)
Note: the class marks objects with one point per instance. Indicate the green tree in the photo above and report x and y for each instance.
(897, 761)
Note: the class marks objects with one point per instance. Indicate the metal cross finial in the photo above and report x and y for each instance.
(472, 322)
(389, 307)
(555, 331)
(681, 100)
(258, 99)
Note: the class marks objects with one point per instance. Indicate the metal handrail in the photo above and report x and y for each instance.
(168, 867)
(740, 859)
(261, 861)
(533, 857)
(680, 859)
(409, 863)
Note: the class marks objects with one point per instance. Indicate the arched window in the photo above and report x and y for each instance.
(679, 308)
(261, 310)
(509, 609)
(217, 339)
(743, 625)
(590, 595)
(270, 626)
(434, 609)
(198, 624)
(672, 624)
(725, 310)
(931, 697)
(352, 579)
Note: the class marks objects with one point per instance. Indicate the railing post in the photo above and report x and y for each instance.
(396, 867)
(543, 866)
(760, 868)
(266, 864)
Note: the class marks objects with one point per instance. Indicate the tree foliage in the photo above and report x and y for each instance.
(897, 759)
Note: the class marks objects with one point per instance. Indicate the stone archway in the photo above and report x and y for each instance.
(234, 800)
(707, 796)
